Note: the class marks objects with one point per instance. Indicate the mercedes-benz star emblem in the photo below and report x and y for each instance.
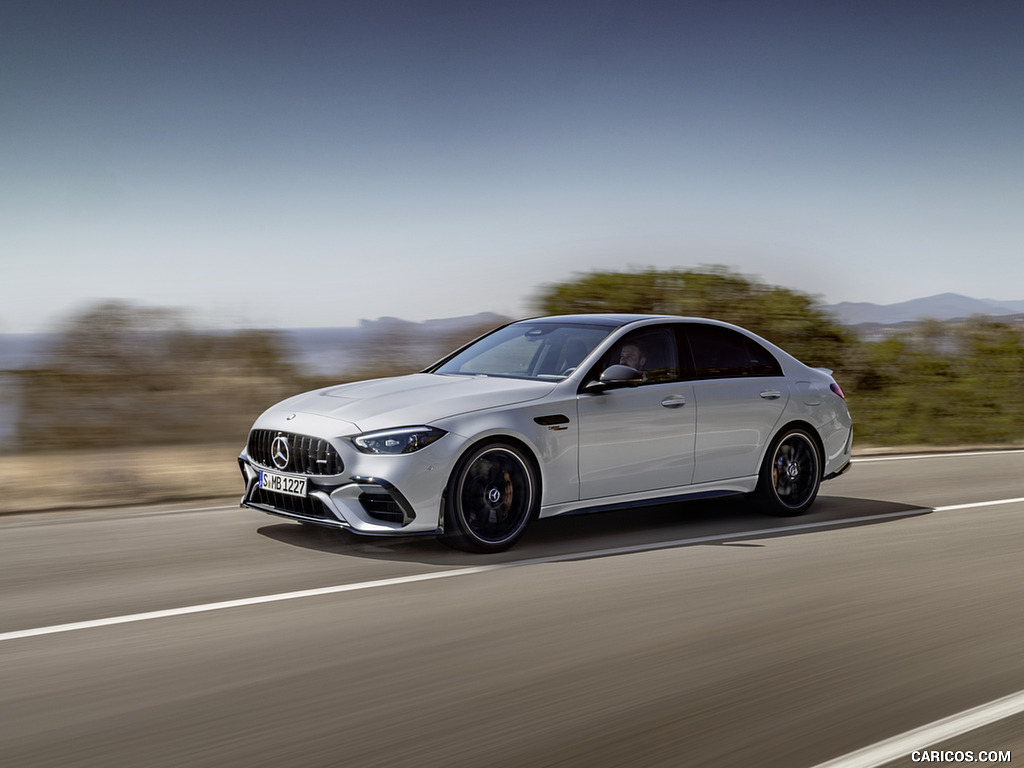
(279, 452)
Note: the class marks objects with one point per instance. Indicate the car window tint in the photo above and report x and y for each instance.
(723, 353)
(652, 351)
(762, 362)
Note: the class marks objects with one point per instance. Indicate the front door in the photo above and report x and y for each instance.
(638, 439)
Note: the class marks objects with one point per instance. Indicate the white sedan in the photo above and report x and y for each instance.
(549, 416)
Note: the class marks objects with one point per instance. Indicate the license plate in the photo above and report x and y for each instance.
(293, 486)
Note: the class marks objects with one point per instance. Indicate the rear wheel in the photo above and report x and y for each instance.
(790, 475)
(492, 496)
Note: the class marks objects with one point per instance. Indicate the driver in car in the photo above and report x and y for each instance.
(633, 356)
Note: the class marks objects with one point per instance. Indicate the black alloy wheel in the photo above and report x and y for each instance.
(492, 495)
(791, 474)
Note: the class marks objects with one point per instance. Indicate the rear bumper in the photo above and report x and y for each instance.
(842, 470)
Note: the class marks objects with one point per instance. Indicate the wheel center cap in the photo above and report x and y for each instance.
(494, 495)
(793, 470)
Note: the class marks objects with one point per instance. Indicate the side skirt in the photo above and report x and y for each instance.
(736, 487)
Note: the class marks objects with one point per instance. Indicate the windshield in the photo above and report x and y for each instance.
(527, 350)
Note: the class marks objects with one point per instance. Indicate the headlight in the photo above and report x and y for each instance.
(395, 441)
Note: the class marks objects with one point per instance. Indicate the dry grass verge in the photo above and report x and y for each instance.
(96, 478)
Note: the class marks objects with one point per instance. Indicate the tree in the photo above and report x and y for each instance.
(785, 317)
(121, 375)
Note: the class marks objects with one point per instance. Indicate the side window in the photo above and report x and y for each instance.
(721, 353)
(762, 362)
(652, 351)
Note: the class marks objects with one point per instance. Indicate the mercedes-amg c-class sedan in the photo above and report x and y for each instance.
(550, 416)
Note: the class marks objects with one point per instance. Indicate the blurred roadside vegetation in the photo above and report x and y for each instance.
(942, 384)
(120, 375)
(937, 383)
(787, 318)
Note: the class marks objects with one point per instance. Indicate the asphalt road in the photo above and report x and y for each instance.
(700, 635)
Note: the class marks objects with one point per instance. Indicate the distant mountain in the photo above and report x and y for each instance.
(328, 351)
(432, 328)
(317, 350)
(945, 306)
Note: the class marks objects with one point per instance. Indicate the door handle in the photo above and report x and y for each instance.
(771, 394)
(674, 401)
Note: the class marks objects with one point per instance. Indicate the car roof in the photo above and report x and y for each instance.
(609, 320)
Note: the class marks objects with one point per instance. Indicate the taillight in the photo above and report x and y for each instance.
(837, 389)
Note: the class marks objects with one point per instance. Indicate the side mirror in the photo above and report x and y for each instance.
(616, 377)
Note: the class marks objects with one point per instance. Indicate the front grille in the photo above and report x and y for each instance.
(300, 454)
(307, 506)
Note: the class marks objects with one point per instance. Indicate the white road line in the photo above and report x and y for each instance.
(358, 586)
(399, 580)
(245, 601)
(950, 727)
(978, 504)
(961, 454)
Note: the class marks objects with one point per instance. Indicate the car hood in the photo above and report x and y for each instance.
(420, 398)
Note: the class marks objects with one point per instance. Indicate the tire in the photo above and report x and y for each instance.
(491, 497)
(790, 475)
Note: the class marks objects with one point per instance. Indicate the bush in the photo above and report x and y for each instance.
(120, 375)
(946, 383)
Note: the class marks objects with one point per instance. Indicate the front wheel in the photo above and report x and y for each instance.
(492, 495)
(790, 475)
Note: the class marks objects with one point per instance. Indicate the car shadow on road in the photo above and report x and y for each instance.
(722, 522)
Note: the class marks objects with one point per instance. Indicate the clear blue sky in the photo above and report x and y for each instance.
(311, 164)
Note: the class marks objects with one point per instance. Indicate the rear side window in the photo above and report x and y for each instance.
(721, 353)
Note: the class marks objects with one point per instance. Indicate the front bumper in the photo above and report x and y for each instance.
(363, 504)
(381, 495)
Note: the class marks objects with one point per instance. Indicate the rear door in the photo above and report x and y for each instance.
(740, 394)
